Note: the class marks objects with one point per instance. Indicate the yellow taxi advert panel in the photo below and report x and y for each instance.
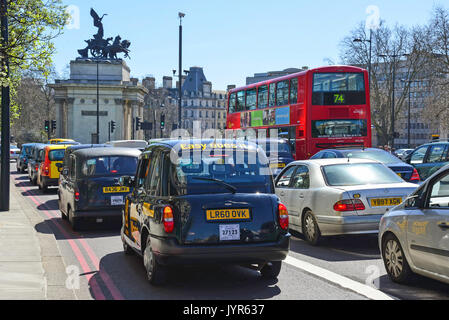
(115, 189)
(227, 214)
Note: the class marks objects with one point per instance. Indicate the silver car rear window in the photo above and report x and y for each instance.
(355, 174)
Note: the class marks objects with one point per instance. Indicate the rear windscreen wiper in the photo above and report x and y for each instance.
(226, 185)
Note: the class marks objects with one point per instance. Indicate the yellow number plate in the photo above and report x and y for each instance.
(277, 165)
(227, 214)
(385, 202)
(115, 189)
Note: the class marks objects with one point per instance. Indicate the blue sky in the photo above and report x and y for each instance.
(231, 39)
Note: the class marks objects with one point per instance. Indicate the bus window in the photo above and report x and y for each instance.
(338, 89)
(251, 99)
(263, 97)
(232, 103)
(272, 95)
(240, 101)
(294, 91)
(282, 93)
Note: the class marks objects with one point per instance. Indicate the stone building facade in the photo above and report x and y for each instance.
(199, 103)
(121, 99)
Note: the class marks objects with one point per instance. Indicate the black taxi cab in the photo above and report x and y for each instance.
(89, 184)
(204, 201)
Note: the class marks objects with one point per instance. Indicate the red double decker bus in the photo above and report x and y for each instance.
(326, 107)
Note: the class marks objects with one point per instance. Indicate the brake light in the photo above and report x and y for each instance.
(415, 176)
(46, 171)
(283, 216)
(77, 196)
(167, 219)
(37, 167)
(349, 205)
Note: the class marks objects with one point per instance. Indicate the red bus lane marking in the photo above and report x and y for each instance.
(96, 289)
(115, 292)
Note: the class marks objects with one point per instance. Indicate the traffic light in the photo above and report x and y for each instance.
(112, 126)
(162, 121)
(47, 126)
(138, 123)
(53, 126)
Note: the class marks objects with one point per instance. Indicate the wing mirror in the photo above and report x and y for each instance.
(59, 166)
(126, 181)
(64, 171)
(415, 201)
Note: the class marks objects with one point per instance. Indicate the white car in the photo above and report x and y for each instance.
(14, 152)
(329, 197)
(414, 237)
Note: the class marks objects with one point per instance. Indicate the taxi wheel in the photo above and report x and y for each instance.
(73, 221)
(155, 272)
(310, 229)
(127, 249)
(271, 269)
(395, 261)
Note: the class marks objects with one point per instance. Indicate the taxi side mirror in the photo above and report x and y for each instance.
(64, 171)
(126, 181)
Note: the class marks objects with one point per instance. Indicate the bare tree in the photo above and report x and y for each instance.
(35, 100)
(397, 54)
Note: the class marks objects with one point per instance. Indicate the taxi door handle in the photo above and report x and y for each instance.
(282, 193)
(301, 195)
(444, 226)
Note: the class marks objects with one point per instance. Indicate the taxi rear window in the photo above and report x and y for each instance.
(106, 166)
(56, 155)
(246, 169)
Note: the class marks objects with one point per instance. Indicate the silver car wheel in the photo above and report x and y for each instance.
(393, 258)
(310, 227)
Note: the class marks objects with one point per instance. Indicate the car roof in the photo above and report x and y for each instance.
(86, 146)
(171, 143)
(326, 162)
(56, 146)
(354, 150)
(106, 151)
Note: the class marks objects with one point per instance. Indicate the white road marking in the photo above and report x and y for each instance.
(362, 289)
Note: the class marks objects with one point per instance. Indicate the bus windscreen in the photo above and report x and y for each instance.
(339, 128)
(338, 89)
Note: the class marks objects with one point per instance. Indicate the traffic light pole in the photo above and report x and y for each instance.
(5, 124)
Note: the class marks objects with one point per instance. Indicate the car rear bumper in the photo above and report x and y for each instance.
(47, 181)
(103, 213)
(170, 252)
(330, 226)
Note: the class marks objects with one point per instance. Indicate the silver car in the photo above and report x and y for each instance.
(328, 197)
(414, 237)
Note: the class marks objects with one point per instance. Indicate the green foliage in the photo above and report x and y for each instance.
(33, 24)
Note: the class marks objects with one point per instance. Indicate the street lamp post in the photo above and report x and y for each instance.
(180, 15)
(370, 41)
(409, 104)
(97, 61)
(394, 56)
(5, 123)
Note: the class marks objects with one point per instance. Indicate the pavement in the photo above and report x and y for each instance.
(31, 265)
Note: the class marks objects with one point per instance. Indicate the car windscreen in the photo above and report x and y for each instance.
(247, 171)
(27, 150)
(56, 155)
(381, 156)
(355, 174)
(109, 166)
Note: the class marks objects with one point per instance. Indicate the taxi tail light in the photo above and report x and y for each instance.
(36, 167)
(167, 219)
(283, 216)
(349, 205)
(415, 176)
(77, 196)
